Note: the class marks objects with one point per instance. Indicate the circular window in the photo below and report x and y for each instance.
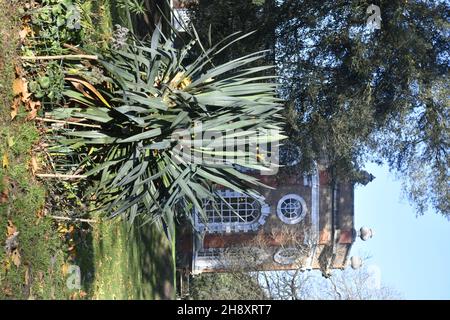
(291, 209)
(286, 256)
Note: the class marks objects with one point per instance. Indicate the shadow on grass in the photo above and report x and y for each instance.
(85, 257)
(150, 254)
(119, 262)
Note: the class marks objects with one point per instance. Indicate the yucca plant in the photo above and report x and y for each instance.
(130, 140)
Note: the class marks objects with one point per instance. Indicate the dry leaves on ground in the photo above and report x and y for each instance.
(21, 93)
(5, 161)
(34, 164)
(12, 244)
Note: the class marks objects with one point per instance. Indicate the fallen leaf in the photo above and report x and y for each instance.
(4, 195)
(33, 107)
(62, 228)
(18, 86)
(27, 276)
(25, 94)
(19, 69)
(16, 258)
(40, 214)
(7, 291)
(28, 5)
(10, 229)
(5, 161)
(24, 32)
(15, 107)
(34, 165)
(6, 265)
(65, 269)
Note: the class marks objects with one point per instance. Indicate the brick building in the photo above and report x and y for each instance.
(305, 222)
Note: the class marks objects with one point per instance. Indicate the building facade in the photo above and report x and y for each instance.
(304, 222)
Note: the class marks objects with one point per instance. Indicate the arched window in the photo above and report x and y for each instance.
(291, 209)
(235, 213)
(234, 209)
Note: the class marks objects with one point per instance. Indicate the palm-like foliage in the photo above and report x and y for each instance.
(151, 95)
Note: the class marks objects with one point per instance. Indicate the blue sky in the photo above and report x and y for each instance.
(413, 253)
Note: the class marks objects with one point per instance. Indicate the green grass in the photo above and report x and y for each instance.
(127, 264)
(41, 249)
(115, 263)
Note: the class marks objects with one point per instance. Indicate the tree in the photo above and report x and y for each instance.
(376, 95)
(214, 20)
(358, 284)
(355, 94)
(345, 284)
(226, 286)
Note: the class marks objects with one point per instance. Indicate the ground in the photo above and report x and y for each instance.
(34, 271)
(129, 264)
(115, 262)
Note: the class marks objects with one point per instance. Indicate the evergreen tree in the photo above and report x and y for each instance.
(355, 93)
(358, 94)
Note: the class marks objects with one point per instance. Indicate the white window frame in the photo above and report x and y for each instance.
(297, 219)
(235, 226)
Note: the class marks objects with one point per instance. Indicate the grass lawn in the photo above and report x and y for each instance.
(115, 262)
(128, 264)
(34, 271)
